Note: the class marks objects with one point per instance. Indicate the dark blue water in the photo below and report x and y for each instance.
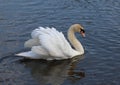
(100, 65)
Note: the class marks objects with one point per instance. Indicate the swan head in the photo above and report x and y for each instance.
(78, 28)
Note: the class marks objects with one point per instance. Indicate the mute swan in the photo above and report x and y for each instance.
(48, 43)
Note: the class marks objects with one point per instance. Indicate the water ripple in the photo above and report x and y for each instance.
(100, 19)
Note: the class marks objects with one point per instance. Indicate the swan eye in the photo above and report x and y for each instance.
(83, 31)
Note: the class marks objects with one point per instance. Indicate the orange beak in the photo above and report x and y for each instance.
(83, 34)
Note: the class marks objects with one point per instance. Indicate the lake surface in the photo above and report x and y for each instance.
(100, 65)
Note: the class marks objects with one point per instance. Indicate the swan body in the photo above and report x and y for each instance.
(48, 43)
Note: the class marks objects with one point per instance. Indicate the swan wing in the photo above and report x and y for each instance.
(34, 41)
(54, 42)
(31, 42)
(39, 50)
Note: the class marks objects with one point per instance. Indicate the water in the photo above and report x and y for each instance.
(100, 65)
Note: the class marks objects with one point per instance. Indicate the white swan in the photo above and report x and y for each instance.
(48, 43)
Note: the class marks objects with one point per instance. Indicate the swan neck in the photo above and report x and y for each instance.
(74, 41)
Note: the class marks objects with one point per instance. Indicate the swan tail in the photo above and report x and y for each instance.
(29, 54)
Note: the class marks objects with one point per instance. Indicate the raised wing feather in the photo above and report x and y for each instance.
(54, 42)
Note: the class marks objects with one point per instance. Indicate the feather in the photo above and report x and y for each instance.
(48, 43)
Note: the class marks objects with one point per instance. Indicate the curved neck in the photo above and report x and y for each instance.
(74, 41)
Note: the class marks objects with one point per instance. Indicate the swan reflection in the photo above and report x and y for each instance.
(54, 72)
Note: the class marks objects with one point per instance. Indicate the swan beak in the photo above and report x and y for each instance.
(83, 34)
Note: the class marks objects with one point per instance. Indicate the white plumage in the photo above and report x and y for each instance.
(48, 43)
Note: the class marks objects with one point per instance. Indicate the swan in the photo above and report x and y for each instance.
(50, 44)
